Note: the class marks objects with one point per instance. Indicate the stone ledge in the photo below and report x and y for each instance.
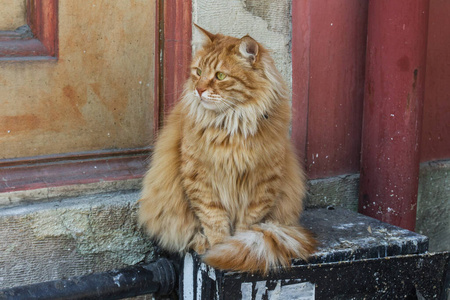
(76, 236)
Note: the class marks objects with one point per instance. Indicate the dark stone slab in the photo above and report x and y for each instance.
(358, 258)
(346, 235)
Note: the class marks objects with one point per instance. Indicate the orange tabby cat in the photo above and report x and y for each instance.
(224, 179)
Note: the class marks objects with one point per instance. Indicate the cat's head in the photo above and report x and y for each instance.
(228, 73)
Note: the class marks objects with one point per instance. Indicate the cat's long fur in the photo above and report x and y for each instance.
(224, 179)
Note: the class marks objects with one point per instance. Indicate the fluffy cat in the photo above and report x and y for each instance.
(224, 180)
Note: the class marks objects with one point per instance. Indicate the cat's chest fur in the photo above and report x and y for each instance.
(218, 152)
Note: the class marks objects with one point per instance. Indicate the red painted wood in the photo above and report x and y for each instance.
(158, 83)
(72, 169)
(336, 86)
(42, 17)
(435, 142)
(393, 99)
(301, 39)
(177, 51)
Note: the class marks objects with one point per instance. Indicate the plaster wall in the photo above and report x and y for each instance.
(97, 95)
(12, 14)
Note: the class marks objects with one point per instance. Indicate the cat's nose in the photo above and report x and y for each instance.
(200, 90)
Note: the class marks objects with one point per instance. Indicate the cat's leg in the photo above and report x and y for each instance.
(213, 218)
(203, 200)
(212, 215)
(262, 202)
(264, 194)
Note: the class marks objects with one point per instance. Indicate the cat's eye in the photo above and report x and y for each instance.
(220, 75)
(199, 72)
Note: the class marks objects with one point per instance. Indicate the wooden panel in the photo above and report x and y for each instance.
(436, 113)
(336, 86)
(98, 95)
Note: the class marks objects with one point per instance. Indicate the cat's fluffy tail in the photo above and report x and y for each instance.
(261, 248)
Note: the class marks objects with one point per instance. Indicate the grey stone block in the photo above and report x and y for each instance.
(54, 240)
(337, 191)
(433, 204)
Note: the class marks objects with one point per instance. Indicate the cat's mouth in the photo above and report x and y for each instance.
(208, 103)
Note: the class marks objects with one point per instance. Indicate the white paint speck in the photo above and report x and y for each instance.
(331, 24)
(212, 273)
(117, 279)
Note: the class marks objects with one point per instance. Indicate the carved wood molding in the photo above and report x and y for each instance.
(42, 44)
(72, 169)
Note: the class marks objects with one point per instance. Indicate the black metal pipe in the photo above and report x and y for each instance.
(159, 277)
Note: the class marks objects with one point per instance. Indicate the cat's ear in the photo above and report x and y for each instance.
(201, 37)
(249, 48)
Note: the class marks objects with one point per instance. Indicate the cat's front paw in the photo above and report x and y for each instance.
(199, 243)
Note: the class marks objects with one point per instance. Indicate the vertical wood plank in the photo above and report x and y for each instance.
(435, 142)
(301, 39)
(336, 86)
(158, 82)
(177, 51)
(393, 102)
(42, 17)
